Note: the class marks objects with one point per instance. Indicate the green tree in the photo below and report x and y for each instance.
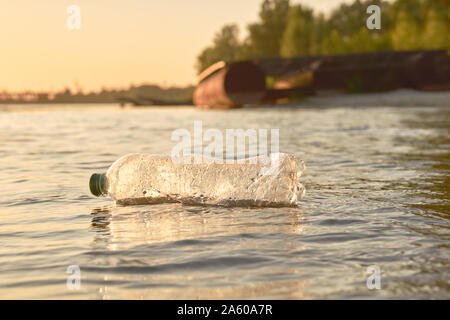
(437, 29)
(288, 31)
(334, 44)
(362, 42)
(298, 36)
(226, 42)
(206, 58)
(225, 47)
(406, 33)
(265, 36)
(320, 32)
(348, 19)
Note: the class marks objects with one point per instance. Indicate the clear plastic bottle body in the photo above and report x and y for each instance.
(146, 179)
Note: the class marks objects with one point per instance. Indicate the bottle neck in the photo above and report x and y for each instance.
(98, 184)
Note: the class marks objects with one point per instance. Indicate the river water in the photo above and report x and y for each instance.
(377, 183)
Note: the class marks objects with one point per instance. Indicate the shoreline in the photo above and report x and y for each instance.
(397, 98)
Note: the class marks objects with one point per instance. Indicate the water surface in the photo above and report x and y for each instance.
(377, 183)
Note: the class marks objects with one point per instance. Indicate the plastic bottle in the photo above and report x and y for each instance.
(147, 179)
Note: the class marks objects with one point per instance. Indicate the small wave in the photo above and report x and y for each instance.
(198, 265)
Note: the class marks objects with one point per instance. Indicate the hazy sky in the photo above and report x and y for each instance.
(119, 43)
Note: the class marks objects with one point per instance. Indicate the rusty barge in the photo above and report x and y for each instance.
(232, 85)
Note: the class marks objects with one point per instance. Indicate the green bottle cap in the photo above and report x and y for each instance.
(97, 184)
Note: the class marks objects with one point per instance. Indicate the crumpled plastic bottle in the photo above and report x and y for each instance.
(150, 179)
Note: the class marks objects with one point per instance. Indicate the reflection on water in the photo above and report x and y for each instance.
(101, 220)
(433, 155)
(169, 222)
(377, 193)
(176, 233)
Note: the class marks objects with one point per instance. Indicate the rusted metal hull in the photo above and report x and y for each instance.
(381, 71)
(366, 72)
(225, 86)
(231, 86)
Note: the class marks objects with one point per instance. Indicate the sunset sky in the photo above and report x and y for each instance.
(120, 42)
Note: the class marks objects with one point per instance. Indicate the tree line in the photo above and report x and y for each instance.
(173, 94)
(291, 30)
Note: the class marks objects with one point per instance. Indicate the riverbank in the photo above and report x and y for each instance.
(398, 98)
